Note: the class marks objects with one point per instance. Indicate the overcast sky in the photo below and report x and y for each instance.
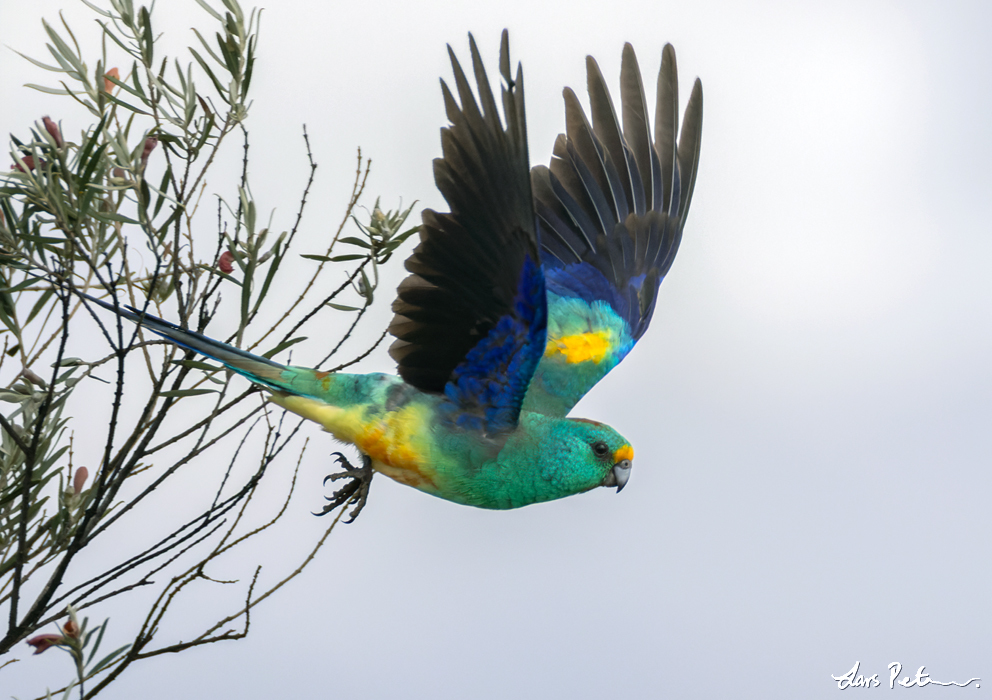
(810, 409)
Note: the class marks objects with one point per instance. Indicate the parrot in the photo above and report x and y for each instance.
(523, 296)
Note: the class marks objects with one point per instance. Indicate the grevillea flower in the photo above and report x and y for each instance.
(150, 143)
(108, 85)
(79, 480)
(43, 641)
(53, 129)
(226, 262)
(71, 629)
(28, 161)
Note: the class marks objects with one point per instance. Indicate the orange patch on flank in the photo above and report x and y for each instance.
(324, 378)
(393, 452)
(625, 452)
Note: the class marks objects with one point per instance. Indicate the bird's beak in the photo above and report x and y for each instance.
(621, 474)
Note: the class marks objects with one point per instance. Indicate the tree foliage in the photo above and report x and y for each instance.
(117, 212)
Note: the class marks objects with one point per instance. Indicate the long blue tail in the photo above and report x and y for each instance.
(258, 369)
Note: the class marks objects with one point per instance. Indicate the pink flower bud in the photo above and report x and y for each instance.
(150, 144)
(71, 629)
(28, 161)
(53, 129)
(43, 641)
(226, 262)
(79, 480)
(108, 85)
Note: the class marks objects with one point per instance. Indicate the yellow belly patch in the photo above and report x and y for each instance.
(398, 442)
(582, 347)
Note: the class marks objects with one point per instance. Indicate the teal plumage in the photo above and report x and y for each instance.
(521, 298)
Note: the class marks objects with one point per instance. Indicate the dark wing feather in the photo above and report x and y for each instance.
(666, 122)
(689, 144)
(610, 210)
(470, 319)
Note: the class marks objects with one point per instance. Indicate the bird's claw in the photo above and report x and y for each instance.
(356, 491)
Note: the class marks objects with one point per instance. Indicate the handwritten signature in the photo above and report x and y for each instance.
(853, 679)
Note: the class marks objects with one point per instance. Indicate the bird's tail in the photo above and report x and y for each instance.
(258, 369)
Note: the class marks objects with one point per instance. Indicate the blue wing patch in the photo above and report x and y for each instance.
(487, 388)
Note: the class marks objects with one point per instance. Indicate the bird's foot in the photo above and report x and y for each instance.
(355, 492)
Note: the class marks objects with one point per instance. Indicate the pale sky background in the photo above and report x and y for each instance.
(810, 409)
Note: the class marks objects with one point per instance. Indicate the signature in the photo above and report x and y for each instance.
(853, 679)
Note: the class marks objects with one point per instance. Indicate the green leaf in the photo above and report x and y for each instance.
(273, 268)
(212, 11)
(116, 40)
(355, 241)
(282, 346)
(342, 307)
(62, 47)
(12, 397)
(162, 189)
(207, 131)
(345, 258)
(206, 68)
(365, 287)
(96, 9)
(217, 272)
(131, 108)
(197, 364)
(179, 393)
(110, 216)
(39, 63)
(96, 644)
(149, 41)
(91, 141)
(230, 60)
(246, 286)
(39, 305)
(249, 65)
(22, 285)
(48, 90)
(93, 162)
(108, 658)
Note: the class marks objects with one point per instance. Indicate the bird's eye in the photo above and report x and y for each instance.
(600, 448)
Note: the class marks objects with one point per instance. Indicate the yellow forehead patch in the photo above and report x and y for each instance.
(625, 452)
(582, 347)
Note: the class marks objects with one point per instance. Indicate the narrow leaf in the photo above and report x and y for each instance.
(282, 346)
(179, 393)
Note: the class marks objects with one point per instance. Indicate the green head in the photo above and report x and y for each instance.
(553, 457)
(585, 454)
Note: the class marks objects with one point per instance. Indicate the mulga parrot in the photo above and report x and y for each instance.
(522, 297)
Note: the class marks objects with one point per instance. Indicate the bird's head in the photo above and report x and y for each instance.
(590, 454)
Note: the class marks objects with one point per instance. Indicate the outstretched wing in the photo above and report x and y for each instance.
(470, 320)
(610, 213)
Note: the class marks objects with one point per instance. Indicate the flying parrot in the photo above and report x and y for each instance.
(528, 292)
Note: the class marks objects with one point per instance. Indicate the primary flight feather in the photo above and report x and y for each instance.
(522, 297)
